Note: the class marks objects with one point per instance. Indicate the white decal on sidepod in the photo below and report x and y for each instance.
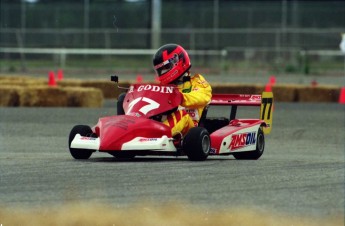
(228, 139)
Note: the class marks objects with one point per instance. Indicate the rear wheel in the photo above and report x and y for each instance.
(197, 144)
(260, 147)
(83, 131)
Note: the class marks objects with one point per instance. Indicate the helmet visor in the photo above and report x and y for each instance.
(167, 65)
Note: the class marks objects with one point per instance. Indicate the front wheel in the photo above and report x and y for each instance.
(119, 104)
(256, 154)
(83, 131)
(197, 144)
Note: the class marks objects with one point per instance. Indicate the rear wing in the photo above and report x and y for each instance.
(236, 99)
(265, 101)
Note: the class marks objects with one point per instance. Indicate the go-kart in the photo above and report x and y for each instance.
(140, 131)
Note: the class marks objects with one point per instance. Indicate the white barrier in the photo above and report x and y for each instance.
(62, 52)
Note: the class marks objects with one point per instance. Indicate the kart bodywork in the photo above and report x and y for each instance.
(140, 130)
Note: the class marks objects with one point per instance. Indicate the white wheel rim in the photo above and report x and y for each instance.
(205, 144)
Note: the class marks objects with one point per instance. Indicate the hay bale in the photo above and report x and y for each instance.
(84, 97)
(33, 92)
(318, 94)
(70, 83)
(32, 96)
(9, 96)
(42, 96)
(22, 81)
(284, 93)
(45, 96)
(109, 88)
(281, 93)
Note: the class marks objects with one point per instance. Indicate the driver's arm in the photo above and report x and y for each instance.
(200, 94)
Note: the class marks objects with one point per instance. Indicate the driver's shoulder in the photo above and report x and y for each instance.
(197, 77)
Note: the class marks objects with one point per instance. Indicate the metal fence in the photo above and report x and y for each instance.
(277, 38)
(266, 31)
(208, 24)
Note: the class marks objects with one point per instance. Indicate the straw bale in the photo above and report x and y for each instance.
(32, 96)
(109, 88)
(42, 96)
(281, 92)
(9, 96)
(22, 81)
(284, 93)
(318, 94)
(70, 83)
(84, 97)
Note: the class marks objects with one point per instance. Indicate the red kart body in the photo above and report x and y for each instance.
(141, 132)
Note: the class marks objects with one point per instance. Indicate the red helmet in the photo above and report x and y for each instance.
(170, 62)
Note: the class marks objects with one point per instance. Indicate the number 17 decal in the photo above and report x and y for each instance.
(266, 110)
(151, 105)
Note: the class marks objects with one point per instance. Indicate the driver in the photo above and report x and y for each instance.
(172, 64)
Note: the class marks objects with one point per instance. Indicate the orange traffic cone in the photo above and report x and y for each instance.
(314, 83)
(272, 80)
(60, 75)
(268, 87)
(342, 96)
(51, 79)
(139, 78)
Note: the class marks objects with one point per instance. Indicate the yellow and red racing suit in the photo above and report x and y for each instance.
(197, 94)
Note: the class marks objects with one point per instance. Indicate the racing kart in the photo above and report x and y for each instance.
(140, 131)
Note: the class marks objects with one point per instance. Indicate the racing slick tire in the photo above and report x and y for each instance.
(256, 154)
(197, 143)
(119, 104)
(83, 131)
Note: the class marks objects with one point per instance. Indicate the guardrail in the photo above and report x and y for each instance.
(62, 52)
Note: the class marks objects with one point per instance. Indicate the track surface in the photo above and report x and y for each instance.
(301, 172)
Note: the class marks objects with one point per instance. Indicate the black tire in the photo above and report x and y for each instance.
(83, 131)
(197, 144)
(120, 99)
(254, 155)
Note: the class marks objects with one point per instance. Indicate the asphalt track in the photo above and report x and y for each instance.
(301, 172)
